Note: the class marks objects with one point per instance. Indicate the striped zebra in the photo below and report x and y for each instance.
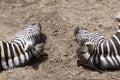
(25, 46)
(96, 51)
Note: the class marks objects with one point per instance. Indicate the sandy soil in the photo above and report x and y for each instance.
(58, 18)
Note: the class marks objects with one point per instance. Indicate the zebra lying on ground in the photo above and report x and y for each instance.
(25, 46)
(96, 51)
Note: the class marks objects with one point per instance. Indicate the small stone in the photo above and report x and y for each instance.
(95, 29)
(66, 55)
(55, 31)
(26, 67)
(100, 25)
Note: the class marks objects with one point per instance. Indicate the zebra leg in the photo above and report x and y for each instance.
(37, 49)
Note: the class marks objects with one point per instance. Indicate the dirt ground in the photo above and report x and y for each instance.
(58, 18)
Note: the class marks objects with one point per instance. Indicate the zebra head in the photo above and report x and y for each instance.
(83, 37)
(30, 36)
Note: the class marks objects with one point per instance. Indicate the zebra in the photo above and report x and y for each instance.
(97, 52)
(20, 50)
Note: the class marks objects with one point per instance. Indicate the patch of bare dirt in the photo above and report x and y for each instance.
(58, 18)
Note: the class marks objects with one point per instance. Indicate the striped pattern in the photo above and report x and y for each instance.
(21, 49)
(106, 53)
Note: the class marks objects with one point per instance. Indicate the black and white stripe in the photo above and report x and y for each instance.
(21, 49)
(106, 53)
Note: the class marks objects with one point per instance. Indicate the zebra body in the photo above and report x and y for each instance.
(13, 54)
(96, 51)
(105, 54)
(22, 48)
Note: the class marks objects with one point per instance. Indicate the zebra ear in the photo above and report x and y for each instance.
(90, 47)
(39, 47)
(37, 51)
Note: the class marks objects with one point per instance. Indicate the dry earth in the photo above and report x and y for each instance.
(58, 18)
